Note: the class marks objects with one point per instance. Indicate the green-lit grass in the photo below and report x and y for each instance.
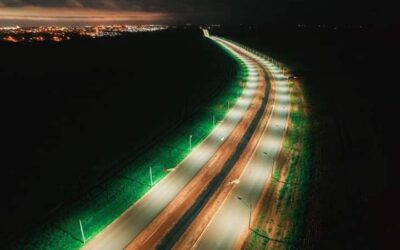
(105, 203)
(299, 169)
(256, 241)
(298, 144)
(297, 179)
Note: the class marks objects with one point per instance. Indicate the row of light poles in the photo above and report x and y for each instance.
(249, 205)
(151, 183)
(80, 222)
(190, 149)
(190, 136)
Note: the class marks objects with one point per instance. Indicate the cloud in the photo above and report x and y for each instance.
(109, 10)
(75, 3)
(110, 4)
(12, 3)
(78, 14)
(166, 5)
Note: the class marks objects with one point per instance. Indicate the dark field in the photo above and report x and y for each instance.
(350, 81)
(76, 112)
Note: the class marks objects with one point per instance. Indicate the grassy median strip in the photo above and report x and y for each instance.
(105, 203)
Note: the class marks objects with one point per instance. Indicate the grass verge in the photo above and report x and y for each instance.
(301, 165)
(281, 224)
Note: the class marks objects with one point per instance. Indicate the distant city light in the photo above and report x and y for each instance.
(10, 39)
(57, 39)
(17, 34)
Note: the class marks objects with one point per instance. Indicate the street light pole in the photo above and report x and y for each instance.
(83, 235)
(213, 120)
(250, 216)
(190, 143)
(272, 167)
(151, 177)
(249, 206)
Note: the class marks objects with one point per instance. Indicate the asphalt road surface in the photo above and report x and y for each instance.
(232, 218)
(126, 227)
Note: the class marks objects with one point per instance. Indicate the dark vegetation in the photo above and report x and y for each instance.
(77, 112)
(349, 78)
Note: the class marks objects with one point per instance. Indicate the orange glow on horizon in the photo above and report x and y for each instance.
(31, 13)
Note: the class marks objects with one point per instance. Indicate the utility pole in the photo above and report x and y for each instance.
(83, 235)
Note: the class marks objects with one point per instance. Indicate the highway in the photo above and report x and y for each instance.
(232, 219)
(126, 227)
(166, 228)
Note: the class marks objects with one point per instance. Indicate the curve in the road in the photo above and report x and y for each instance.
(232, 218)
(126, 227)
(184, 222)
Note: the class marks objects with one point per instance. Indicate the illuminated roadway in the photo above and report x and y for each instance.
(126, 227)
(231, 220)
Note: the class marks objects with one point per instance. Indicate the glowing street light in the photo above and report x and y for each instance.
(247, 205)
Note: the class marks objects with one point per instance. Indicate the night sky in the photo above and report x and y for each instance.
(200, 12)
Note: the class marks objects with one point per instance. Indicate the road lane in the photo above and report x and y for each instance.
(232, 218)
(126, 227)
